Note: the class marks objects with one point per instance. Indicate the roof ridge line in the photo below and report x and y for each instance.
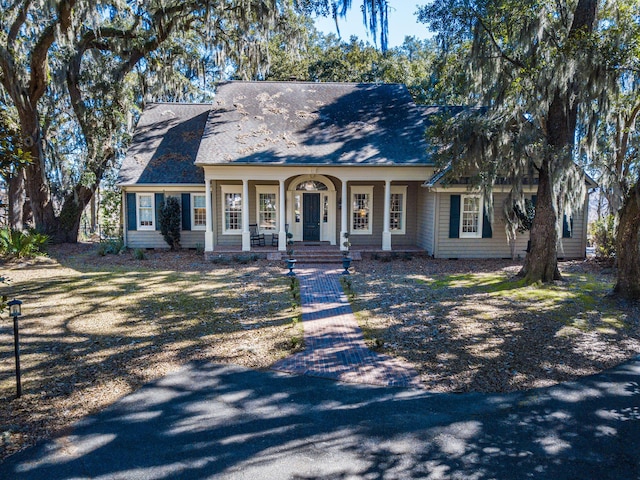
(309, 82)
(179, 103)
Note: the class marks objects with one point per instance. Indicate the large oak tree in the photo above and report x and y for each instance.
(80, 53)
(618, 143)
(534, 69)
(76, 58)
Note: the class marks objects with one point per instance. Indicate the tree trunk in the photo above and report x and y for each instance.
(65, 227)
(628, 247)
(37, 185)
(541, 263)
(93, 208)
(40, 197)
(16, 198)
(71, 214)
(27, 214)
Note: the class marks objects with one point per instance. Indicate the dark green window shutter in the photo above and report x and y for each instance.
(454, 217)
(132, 222)
(567, 227)
(159, 202)
(534, 199)
(487, 231)
(186, 211)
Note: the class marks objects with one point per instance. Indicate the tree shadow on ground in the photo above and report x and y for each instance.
(212, 421)
(92, 332)
(473, 326)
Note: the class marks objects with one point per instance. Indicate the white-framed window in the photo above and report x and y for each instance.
(145, 204)
(471, 216)
(267, 208)
(325, 208)
(198, 211)
(231, 209)
(398, 210)
(362, 210)
(297, 207)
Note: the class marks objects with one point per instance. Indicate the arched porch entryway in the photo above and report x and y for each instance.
(311, 209)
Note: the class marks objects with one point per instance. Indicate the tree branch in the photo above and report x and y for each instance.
(624, 142)
(7, 66)
(38, 64)
(495, 43)
(21, 17)
(152, 44)
(584, 17)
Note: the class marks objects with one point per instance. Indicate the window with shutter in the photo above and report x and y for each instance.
(198, 211)
(145, 211)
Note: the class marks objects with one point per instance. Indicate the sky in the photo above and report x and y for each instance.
(402, 22)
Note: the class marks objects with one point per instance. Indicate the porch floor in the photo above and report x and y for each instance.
(314, 252)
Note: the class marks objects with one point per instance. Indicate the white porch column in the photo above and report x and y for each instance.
(386, 233)
(344, 225)
(246, 236)
(282, 234)
(208, 234)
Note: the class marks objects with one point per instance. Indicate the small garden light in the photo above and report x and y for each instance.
(15, 310)
(291, 263)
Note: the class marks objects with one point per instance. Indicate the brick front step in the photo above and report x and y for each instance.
(315, 257)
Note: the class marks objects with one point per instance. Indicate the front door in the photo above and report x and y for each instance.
(311, 217)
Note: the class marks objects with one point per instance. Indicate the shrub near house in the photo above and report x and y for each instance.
(169, 218)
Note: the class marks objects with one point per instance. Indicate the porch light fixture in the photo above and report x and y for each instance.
(15, 310)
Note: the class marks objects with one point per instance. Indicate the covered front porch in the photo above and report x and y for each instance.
(357, 208)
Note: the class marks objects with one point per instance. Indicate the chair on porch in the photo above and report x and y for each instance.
(276, 236)
(257, 238)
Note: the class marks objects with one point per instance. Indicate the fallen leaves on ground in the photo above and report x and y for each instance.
(97, 328)
(473, 326)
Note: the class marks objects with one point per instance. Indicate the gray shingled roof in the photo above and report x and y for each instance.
(165, 144)
(295, 123)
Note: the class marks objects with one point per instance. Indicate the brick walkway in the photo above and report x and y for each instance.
(335, 345)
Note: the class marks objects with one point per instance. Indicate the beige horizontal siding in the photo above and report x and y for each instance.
(192, 239)
(222, 239)
(145, 239)
(431, 222)
(153, 239)
(426, 209)
(497, 246)
(575, 247)
(421, 220)
(375, 238)
(411, 229)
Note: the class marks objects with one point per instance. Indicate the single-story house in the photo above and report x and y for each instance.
(323, 161)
